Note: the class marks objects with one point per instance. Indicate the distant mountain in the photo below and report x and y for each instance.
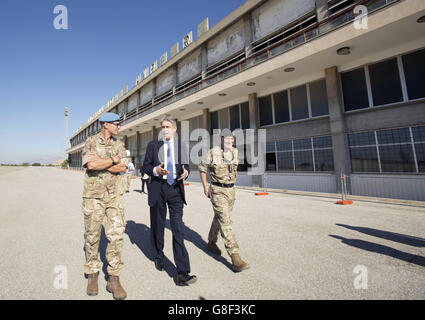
(45, 160)
(57, 162)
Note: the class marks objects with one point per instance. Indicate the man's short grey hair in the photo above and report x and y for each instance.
(169, 119)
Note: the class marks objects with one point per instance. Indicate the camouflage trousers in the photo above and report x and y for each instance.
(108, 211)
(127, 181)
(223, 200)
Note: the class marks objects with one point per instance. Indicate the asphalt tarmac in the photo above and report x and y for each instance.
(299, 247)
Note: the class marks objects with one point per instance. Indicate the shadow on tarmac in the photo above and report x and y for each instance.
(196, 239)
(103, 243)
(382, 249)
(139, 234)
(397, 237)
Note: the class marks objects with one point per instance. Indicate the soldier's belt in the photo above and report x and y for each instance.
(224, 185)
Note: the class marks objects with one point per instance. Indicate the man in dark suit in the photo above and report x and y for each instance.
(165, 163)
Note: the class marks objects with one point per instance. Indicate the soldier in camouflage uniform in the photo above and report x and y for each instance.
(222, 163)
(105, 158)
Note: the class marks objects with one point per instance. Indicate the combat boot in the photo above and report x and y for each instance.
(92, 286)
(238, 264)
(213, 248)
(114, 287)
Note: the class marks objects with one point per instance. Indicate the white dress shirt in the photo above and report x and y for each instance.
(166, 145)
(130, 168)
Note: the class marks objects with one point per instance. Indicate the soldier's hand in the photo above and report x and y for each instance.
(161, 171)
(207, 192)
(184, 174)
(116, 159)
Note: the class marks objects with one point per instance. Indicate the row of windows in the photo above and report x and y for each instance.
(384, 151)
(310, 154)
(303, 102)
(95, 128)
(388, 151)
(394, 80)
(235, 117)
(400, 150)
(82, 136)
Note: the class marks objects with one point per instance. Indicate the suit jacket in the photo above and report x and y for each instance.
(154, 157)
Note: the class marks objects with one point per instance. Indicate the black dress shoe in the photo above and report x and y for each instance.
(159, 264)
(184, 279)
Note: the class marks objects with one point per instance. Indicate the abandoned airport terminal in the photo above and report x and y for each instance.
(334, 84)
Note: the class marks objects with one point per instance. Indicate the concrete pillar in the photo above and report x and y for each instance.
(322, 9)
(138, 161)
(340, 149)
(254, 118)
(206, 123)
(179, 128)
(254, 121)
(154, 137)
(206, 120)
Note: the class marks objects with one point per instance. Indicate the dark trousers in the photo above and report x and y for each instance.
(144, 182)
(169, 195)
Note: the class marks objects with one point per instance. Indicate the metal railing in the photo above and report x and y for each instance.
(240, 61)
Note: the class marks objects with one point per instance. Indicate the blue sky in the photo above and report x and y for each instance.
(108, 43)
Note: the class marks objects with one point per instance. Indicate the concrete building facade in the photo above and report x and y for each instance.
(337, 91)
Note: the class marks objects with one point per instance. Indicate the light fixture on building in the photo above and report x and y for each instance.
(145, 123)
(200, 102)
(130, 130)
(156, 119)
(222, 94)
(345, 51)
(421, 19)
(290, 69)
(250, 84)
(182, 109)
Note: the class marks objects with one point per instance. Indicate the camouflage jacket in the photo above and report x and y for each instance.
(222, 167)
(98, 183)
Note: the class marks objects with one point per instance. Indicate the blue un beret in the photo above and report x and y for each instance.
(109, 117)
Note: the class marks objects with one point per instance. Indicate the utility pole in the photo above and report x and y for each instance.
(66, 131)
